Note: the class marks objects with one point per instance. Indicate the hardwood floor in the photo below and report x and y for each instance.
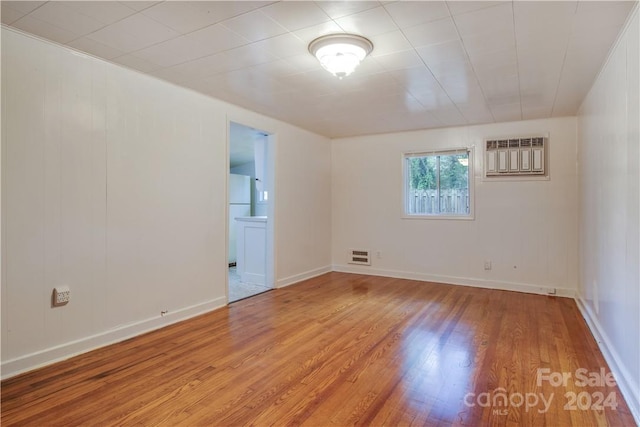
(340, 349)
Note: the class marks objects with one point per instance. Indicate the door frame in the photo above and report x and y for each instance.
(271, 147)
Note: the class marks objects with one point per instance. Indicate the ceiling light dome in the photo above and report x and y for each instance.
(340, 54)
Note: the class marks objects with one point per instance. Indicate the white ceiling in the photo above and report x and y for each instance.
(434, 63)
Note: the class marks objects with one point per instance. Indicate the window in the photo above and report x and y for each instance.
(437, 184)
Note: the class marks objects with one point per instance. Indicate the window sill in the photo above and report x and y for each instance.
(507, 178)
(441, 217)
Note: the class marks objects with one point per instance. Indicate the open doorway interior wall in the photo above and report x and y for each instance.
(249, 245)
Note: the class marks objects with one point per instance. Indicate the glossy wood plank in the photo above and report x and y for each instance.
(340, 349)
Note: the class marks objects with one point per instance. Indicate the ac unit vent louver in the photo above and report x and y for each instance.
(359, 256)
(515, 157)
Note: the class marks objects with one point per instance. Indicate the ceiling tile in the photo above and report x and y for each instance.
(449, 116)
(369, 23)
(307, 35)
(416, 79)
(592, 15)
(547, 62)
(476, 114)
(23, 7)
(171, 74)
(252, 82)
(398, 122)
(531, 113)
(399, 60)
(11, 11)
(495, 76)
(255, 26)
(106, 12)
(182, 17)
(411, 13)
(373, 85)
(66, 18)
(463, 91)
(506, 112)
(542, 41)
(492, 61)
(539, 75)
(199, 86)
(581, 49)
(304, 62)
(133, 33)
(282, 46)
(215, 38)
(171, 52)
(460, 7)
(212, 84)
(207, 41)
(568, 97)
(557, 16)
(136, 63)
(95, 48)
(278, 68)
(9, 14)
(489, 42)
(434, 100)
(501, 90)
(538, 90)
(296, 15)
(248, 56)
(449, 52)
(338, 9)
(139, 5)
(387, 43)
(188, 16)
(230, 8)
(367, 67)
(200, 68)
(314, 82)
(566, 109)
(311, 77)
(44, 29)
(579, 69)
(435, 32)
(491, 19)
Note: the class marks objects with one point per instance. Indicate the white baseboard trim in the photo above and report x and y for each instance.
(286, 281)
(64, 351)
(464, 281)
(629, 390)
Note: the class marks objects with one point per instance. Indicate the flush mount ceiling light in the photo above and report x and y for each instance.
(340, 54)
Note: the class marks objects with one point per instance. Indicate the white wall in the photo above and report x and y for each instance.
(114, 183)
(609, 147)
(527, 229)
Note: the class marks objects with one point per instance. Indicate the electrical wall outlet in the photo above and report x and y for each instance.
(61, 295)
(487, 265)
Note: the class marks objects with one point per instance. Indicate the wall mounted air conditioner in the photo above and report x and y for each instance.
(507, 157)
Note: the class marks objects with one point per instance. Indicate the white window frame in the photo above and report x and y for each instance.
(405, 184)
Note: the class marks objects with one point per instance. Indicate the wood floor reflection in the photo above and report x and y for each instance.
(340, 349)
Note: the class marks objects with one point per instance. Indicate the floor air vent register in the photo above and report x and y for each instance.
(359, 256)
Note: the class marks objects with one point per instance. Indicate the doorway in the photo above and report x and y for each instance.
(250, 212)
